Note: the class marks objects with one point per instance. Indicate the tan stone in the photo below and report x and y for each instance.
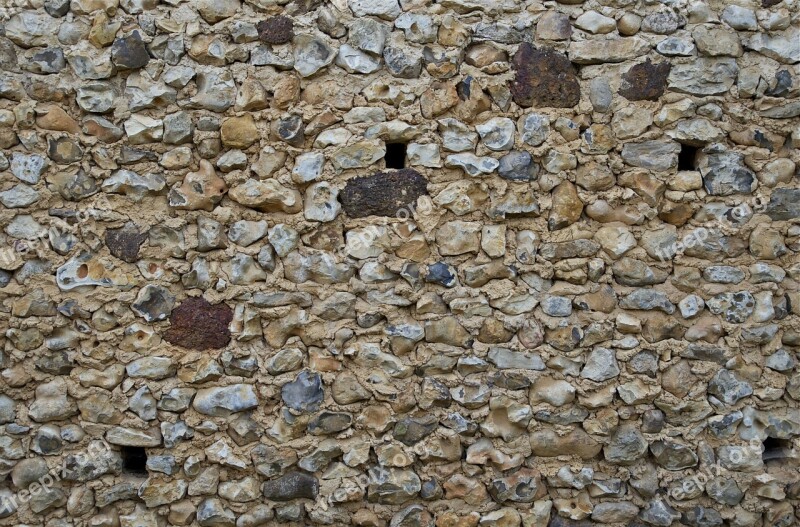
(239, 132)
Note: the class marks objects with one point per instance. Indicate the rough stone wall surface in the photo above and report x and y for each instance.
(399, 263)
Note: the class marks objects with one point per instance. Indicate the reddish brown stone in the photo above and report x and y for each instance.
(645, 81)
(383, 194)
(276, 30)
(198, 325)
(124, 242)
(544, 77)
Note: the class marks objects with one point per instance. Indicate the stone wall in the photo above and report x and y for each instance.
(399, 263)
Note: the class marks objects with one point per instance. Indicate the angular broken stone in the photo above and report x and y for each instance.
(784, 204)
(129, 53)
(197, 324)
(124, 242)
(223, 401)
(153, 303)
(311, 54)
(305, 393)
(201, 190)
(267, 196)
(543, 77)
(724, 173)
(653, 155)
(383, 194)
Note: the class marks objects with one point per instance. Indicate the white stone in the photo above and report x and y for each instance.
(472, 164)
(594, 22)
(321, 203)
(497, 133)
(386, 9)
(426, 155)
(142, 129)
(308, 167)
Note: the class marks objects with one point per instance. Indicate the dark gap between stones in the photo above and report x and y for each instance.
(395, 155)
(687, 158)
(776, 449)
(134, 460)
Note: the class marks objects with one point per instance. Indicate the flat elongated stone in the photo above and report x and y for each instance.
(294, 485)
(226, 400)
(383, 194)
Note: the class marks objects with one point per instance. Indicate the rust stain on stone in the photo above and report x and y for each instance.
(544, 77)
(197, 324)
(645, 81)
(383, 194)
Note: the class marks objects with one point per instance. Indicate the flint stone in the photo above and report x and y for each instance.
(305, 393)
(784, 204)
(294, 485)
(224, 401)
(129, 53)
(704, 76)
(626, 446)
(654, 155)
(724, 174)
(728, 387)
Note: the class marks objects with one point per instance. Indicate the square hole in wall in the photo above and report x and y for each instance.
(776, 449)
(395, 155)
(687, 158)
(134, 460)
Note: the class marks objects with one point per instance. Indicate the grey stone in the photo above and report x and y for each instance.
(292, 486)
(728, 387)
(654, 155)
(225, 400)
(518, 165)
(601, 365)
(305, 393)
(626, 446)
(28, 168)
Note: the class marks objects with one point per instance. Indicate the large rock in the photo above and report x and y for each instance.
(197, 324)
(704, 76)
(543, 77)
(383, 194)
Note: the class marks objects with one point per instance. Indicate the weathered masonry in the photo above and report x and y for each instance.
(399, 263)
